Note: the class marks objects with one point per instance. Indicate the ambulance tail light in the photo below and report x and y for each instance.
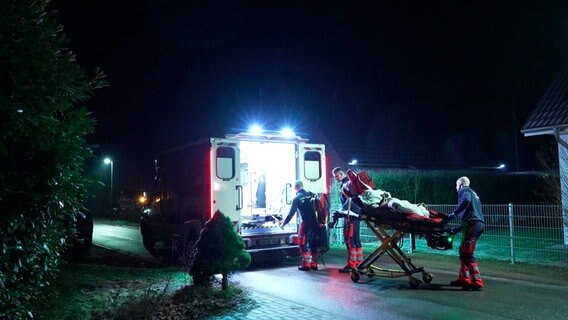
(211, 184)
(325, 175)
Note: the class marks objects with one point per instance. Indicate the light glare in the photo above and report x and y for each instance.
(287, 133)
(255, 130)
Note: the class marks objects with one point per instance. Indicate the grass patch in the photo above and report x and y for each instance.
(84, 291)
(99, 291)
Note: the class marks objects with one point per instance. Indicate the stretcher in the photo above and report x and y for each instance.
(390, 226)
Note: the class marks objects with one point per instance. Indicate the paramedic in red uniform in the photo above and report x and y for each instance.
(472, 226)
(309, 226)
(352, 227)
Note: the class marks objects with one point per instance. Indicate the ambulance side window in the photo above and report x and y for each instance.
(225, 163)
(312, 165)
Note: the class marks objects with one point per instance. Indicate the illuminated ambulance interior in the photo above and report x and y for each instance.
(268, 171)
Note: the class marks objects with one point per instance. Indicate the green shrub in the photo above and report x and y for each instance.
(219, 250)
(42, 150)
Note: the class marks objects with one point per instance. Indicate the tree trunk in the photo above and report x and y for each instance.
(224, 282)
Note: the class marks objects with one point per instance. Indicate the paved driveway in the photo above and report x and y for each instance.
(286, 293)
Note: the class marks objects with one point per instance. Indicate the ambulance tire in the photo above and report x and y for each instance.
(148, 242)
(149, 245)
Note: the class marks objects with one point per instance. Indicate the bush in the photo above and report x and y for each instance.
(219, 249)
(42, 150)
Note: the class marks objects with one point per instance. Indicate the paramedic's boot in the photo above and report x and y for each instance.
(314, 263)
(476, 281)
(306, 261)
(464, 279)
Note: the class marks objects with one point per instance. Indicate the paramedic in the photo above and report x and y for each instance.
(309, 226)
(472, 226)
(351, 231)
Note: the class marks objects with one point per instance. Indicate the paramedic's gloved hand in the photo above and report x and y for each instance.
(331, 224)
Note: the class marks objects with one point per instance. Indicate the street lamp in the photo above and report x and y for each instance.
(109, 161)
(501, 166)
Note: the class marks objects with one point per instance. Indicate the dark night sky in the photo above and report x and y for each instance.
(449, 82)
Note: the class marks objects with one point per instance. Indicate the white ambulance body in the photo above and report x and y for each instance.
(249, 178)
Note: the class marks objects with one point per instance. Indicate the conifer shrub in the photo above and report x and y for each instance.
(219, 250)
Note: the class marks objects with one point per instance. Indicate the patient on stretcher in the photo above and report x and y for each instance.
(376, 198)
(363, 190)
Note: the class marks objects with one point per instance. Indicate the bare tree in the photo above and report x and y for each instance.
(554, 159)
(548, 158)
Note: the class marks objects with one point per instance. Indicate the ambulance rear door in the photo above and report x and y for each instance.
(226, 189)
(311, 165)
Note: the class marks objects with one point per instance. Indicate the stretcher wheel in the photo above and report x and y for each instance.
(413, 282)
(427, 277)
(354, 276)
(370, 273)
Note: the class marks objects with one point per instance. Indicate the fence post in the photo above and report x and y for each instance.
(511, 233)
(411, 247)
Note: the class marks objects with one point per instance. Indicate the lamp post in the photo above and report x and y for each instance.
(109, 161)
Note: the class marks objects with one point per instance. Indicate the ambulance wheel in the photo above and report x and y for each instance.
(413, 282)
(354, 276)
(370, 273)
(427, 277)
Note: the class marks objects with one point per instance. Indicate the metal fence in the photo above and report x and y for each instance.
(535, 234)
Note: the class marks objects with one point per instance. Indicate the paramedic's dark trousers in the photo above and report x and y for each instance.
(308, 248)
(469, 271)
(351, 233)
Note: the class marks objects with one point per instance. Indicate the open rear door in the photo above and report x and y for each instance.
(226, 189)
(311, 167)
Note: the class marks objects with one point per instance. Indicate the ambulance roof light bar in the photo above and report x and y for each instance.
(257, 133)
(287, 132)
(255, 130)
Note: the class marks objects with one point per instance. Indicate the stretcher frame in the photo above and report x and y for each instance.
(389, 244)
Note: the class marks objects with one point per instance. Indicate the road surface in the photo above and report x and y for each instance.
(379, 298)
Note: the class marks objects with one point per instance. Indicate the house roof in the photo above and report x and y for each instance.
(551, 111)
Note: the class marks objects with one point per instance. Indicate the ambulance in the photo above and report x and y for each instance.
(249, 177)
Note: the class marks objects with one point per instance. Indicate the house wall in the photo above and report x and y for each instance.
(563, 161)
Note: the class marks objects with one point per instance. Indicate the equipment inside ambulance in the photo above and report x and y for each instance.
(248, 177)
